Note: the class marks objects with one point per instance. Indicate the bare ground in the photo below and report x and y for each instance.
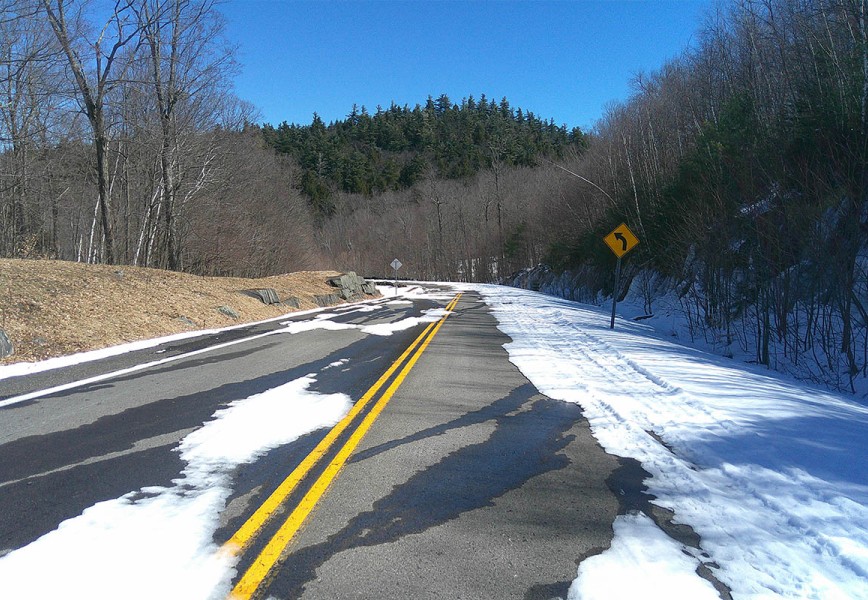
(52, 308)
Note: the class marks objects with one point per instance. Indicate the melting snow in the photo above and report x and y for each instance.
(770, 472)
(157, 542)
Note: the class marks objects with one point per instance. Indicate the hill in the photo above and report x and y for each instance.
(52, 308)
(395, 148)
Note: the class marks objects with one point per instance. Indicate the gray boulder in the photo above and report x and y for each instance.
(228, 311)
(352, 286)
(327, 299)
(6, 347)
(267, 295)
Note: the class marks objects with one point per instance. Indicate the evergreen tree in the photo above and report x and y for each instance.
(394, 148)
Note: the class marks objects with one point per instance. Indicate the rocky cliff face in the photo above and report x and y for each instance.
(580, 285)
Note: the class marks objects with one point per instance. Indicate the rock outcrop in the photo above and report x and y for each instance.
(352, 286)
(228, 311)
(267, 295)
(6, 347)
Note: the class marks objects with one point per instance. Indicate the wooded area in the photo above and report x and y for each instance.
(445, 185)
(122, 142)
(741, 165)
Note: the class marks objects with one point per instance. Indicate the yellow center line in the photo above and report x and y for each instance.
(271, 554)
(251, 528)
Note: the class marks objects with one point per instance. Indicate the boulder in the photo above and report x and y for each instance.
(327, 299)
(6, 347)
(292, 302)
(352, 286)
(267, 295)
(228, 311)
(347, 280)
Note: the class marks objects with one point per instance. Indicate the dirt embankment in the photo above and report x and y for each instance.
(51, 308)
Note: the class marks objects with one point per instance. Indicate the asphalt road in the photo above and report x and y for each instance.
(469, 483)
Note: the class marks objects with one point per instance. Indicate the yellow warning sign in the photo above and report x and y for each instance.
(621, 240)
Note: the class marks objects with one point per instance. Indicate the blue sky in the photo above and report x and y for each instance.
(562, 60)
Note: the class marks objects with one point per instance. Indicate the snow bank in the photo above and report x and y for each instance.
(769, 472)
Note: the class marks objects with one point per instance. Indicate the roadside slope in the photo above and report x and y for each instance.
(51, 308)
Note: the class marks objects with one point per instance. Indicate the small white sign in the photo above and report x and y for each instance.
(396, 264)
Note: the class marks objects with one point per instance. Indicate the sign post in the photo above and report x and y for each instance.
(396, 264)
(615, 293)
(620, 241)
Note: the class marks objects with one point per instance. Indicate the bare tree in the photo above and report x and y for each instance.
(111, 59)
(28, 94)
(189, 67)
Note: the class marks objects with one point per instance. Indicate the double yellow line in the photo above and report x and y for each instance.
(264, 563)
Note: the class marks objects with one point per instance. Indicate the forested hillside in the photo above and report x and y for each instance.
(741, 165)
(396, 148)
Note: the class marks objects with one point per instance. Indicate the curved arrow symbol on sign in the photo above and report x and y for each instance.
(623, 240)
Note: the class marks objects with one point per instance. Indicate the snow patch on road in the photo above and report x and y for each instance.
(641, 563)
(312, 325)
(157, 542)
(383, 329)
(428, 316)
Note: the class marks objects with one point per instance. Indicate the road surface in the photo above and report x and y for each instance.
(455, 479)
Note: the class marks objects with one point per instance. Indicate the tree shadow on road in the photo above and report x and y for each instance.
(524, 444)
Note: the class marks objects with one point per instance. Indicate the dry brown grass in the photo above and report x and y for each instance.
(52, 308)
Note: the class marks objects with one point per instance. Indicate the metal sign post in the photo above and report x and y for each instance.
(396, 264)
(620, 241)
(615, 293)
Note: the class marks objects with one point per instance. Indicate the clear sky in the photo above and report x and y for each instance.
(563, 60)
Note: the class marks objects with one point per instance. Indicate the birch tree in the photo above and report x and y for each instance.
(189, 69)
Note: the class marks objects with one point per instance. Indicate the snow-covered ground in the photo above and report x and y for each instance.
(771, 473)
